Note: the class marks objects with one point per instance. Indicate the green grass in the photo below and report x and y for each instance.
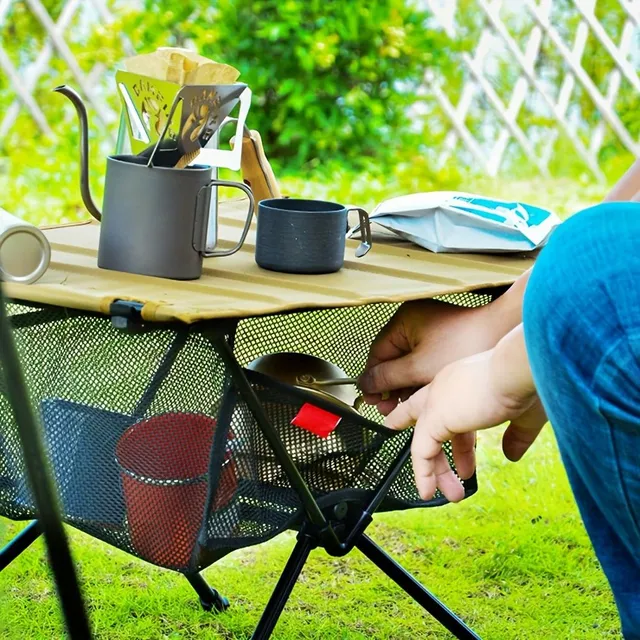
(514, 561)
(33, 198)
(564, 196)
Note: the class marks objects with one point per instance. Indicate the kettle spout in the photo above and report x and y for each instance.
(84, 149)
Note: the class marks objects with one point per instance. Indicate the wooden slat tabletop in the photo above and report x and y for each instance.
(234, 286)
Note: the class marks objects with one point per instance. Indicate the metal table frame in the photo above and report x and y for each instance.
(336, 530)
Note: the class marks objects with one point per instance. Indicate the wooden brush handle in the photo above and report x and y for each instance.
(256, 170)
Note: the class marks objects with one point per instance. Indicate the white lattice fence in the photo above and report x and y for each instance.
(564, 30)
(525, 94)
(27, 73)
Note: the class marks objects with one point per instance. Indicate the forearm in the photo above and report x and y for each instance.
(506, 312)
(510, 373)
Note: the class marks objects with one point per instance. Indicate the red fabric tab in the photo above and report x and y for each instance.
(316, 420)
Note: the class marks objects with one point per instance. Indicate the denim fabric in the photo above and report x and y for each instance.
(582, 329)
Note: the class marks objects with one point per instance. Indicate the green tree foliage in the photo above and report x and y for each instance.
(330, 79)
(331, 82)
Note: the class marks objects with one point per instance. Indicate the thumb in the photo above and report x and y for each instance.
(522, 432)
(406, 414)
(392, 375)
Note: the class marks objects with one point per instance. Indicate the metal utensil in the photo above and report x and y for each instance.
(307, 379)
(204, 108)
(290, 368)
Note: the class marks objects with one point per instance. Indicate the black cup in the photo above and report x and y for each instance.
(306, 236)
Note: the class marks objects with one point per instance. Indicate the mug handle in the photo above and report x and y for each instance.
(365, 232)
(201, 227)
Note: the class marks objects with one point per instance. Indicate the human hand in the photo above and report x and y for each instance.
(422, 338)
(475, 393)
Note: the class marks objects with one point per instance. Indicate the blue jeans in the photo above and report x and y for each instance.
(582, 329)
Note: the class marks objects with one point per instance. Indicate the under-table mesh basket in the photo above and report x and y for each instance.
(155, 451)
(345, 465)
(90, 385)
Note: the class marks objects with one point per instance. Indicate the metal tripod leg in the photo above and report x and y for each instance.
(209, 597)
(283, 589)
(15, 547)
(404, 579)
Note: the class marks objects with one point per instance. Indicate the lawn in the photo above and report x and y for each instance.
(513, 561)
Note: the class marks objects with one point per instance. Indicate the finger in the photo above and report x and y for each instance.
(446, 480)
(423, 466)
(522, 432)
(406, 414)
(387, 406)
(517, 440)
(392, 375)
(464, 454)
(431, 465)
(434, 472)
(405, 394)
(375, 398)
(372, 398)
(389, 344)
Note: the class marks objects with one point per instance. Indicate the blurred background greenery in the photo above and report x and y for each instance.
(334, 84)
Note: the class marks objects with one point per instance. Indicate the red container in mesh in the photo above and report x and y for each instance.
(164, 464)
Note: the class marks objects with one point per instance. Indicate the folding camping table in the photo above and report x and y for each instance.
(161, 441)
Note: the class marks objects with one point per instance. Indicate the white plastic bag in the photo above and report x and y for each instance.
(455, 222)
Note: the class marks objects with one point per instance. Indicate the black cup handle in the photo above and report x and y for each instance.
(365, 232)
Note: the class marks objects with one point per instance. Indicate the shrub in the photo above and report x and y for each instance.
(331, 80)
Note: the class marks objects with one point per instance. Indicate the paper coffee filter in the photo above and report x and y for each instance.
(182, 67)
(149, 65)
(149, 84)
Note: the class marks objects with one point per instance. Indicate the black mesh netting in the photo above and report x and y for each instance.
(153, 449)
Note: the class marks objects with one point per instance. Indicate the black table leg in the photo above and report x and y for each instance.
(209, 598)
(15, 547)
(41, 483)
(283, 589)
(422, 596)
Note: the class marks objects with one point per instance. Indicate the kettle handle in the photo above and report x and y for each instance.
(201, 224)
(81, 110)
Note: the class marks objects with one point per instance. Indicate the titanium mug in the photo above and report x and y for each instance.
(155, 219)
(306, 236)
